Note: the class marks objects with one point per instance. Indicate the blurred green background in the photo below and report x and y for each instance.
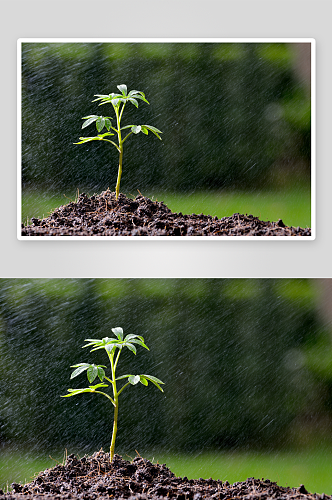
(247, 366)
(235, 119)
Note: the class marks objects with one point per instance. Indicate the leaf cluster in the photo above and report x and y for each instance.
(111, 344)
(116, 99)
(105, 121)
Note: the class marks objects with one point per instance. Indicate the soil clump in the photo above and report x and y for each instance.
(95, 477)
(103, 215)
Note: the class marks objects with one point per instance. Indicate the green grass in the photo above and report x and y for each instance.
(311, 468)
(293, 206)
(20, 468)
(41, 204)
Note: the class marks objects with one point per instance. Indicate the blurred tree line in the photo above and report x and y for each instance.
(237, 356)
(233, 115)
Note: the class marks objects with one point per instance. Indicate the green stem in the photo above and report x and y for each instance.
(116, 406)
(117, 359)
(117, 187)
(123, 105)
(115, 428)
(118, 120)
(126, 137)
(109, 397)
(117, 147)
(126, 385)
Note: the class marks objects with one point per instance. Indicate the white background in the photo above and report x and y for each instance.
(165, 19)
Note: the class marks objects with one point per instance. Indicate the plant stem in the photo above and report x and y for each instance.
(116, 406)
(115, 427)
(118, 121)
(117, 188)
(126, 385)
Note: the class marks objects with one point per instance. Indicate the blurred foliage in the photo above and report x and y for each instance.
(231, 114)
(232, 354)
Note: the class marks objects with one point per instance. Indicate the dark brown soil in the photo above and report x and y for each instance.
(102, 215)
(94, 477)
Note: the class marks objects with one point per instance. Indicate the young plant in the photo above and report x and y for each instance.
(118, 102)
(113, 346)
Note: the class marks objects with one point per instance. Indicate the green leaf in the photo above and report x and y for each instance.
(118, 332)
(123, 89)
(133, 101)
(131, 347)
(92, 388)
(93, 342)
(154, 380)
(144, 130)
(90, 119)
(92, 373)
(138, 95)
(154, 130)
(101, 373)
(106, 134)
(100, 123)
(101, 96)
(98, 137)
(110, 348)
(134, 379)
(113, 344)
(136, 129)
(133, 92)
(81, 367)
(87, 139)
(108, 123)
(79, 370)
(133, 336)
(106, 340)
(124, 376)
(142, 98)
(143, 380)
(73, 392)
(139, 342)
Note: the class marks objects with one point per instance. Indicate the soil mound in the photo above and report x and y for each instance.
(103, 215)
(94, 477)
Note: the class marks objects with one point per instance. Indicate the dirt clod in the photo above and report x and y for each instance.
(103, 215)
(95, 477)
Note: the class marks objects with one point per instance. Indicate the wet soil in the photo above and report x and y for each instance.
(103, 215)
(95, 477)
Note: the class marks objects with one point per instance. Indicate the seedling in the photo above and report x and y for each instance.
(118, 102)
(93, 371)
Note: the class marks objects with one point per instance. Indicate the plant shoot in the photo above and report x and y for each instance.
(118, 102)
(113, 347)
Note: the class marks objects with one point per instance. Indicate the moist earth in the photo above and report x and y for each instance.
(95, 477)
(103, 215)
